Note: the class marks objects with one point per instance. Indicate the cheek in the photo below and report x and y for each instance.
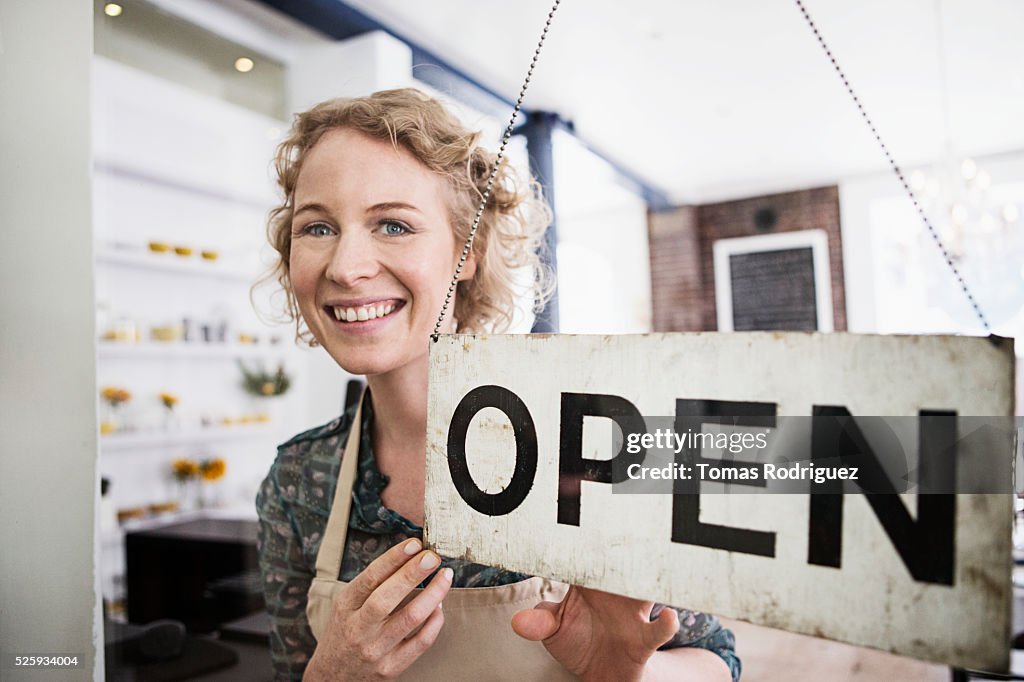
(304, 275)
(432, 278)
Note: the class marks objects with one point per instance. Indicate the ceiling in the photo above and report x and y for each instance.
(709, 101)
(718, 100)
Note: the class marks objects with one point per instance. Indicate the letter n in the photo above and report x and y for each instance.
(927, 545)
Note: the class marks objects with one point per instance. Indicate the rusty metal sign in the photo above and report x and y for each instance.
(522, 437)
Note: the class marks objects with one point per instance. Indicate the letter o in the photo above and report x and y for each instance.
(496, 504)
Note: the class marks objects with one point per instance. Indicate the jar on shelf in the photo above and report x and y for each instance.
(123, 330)
(166, 332)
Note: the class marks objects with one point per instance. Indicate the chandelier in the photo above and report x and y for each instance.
(978, 218)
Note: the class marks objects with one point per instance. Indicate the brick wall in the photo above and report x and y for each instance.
(682, 273)
(676, 278)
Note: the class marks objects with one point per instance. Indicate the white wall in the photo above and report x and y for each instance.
(203, 181)
(604, 275)
(48, 434)
(348, 68)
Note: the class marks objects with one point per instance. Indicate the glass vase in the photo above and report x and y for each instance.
(189, 495)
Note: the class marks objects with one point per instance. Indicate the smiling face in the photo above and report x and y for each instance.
(372, 251)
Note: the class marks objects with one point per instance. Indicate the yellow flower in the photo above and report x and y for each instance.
(169, 400)
(185, 469)
(268, 388)
(212, 469)
(115, 395)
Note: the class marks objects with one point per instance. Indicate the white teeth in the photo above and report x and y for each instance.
(362, 313)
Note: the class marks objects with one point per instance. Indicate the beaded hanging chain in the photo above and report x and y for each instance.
(897, 170)
(856, 100)
(494, 173)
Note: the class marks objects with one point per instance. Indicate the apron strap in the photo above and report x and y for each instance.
(332, 547)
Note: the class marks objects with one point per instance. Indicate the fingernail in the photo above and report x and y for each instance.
(413, 546)
(447, 573)
(429, 560)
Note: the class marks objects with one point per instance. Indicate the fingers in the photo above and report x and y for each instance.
(379, 570)
(408, 651)
(538, 623)
(418, 610)
(366, 634)
(662, 629)
(390, 593)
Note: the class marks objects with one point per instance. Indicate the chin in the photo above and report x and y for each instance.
(357, 363)
(367, 362)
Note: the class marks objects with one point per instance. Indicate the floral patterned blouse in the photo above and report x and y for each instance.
(294, 502)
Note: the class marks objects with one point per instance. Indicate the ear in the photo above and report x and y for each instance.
(469, 267)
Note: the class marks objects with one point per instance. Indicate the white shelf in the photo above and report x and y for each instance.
(172, 262)
(179, 350)
(156, 439)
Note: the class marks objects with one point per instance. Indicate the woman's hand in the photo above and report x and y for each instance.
(597, 635)
(366, 638)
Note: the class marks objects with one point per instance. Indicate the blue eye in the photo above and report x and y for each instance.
(392, 228)
(318, 230)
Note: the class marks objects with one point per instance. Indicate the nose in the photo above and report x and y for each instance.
(354, 259)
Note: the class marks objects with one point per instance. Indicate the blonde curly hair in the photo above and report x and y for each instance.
(511, 229)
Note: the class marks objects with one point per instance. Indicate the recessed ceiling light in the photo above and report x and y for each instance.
(244, 64)
(112, 9)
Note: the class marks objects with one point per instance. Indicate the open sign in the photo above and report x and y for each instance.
(514, 480)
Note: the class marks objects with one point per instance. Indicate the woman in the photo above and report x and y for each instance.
(380, 193)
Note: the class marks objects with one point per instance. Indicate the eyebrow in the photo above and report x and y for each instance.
(310, 207)
(376, 208)
(391, 206)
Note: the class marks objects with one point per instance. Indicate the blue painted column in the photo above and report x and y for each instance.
(538, 131)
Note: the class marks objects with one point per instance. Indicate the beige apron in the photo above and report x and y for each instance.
(477, 641)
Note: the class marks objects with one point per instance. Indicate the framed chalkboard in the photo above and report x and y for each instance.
(773, 282)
